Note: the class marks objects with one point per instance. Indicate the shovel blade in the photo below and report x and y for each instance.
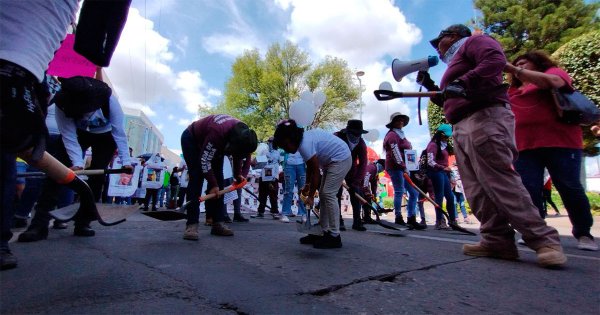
(308, 228)
(165, 215)
(65, 213)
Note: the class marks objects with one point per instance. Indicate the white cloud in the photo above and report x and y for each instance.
(359, 31)
(184, 122)
(142, 74)
(170, 117)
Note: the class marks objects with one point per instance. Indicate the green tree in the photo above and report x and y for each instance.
(524, 25)
(260, 91)
(580, 58)
(435, 117)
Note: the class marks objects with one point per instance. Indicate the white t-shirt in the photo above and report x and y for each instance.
(327, 147)
(294, 159)
(31, 43)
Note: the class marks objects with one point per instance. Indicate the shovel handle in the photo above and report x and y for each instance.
(224, 191)
(407, 178)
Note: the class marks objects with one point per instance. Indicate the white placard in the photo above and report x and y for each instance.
(268, 173)
(123, 185)
(410, 157)
(153, 178)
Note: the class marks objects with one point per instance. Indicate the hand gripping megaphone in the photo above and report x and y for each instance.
(402, 68)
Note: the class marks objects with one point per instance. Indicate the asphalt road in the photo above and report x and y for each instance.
(143, 266)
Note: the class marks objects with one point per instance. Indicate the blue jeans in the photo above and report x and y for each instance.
(441, 190)
(564, 166)
(400, 186)
(460, 201)
(161, 195)
(293, 174)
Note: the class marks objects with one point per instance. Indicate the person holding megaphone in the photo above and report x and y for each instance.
(476, 102)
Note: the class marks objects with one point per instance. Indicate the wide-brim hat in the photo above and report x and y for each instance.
(397, 115)
(458, 29)
(241, 140)
(355, 126)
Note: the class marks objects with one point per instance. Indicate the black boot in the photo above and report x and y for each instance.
(342, 225)
(414, 225)
(33, 234)
(309, 239)
(358, 226)
(83, 230)
(399, 220)
(238, 217)
(328, 241)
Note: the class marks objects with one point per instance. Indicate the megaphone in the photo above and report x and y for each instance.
(402, 68)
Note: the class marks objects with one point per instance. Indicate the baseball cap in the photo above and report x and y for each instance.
(458, 29)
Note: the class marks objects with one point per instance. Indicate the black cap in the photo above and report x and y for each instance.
(458, 29)
(354, 126)
(242, 140)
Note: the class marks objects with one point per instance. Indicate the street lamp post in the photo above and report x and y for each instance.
(358, 75)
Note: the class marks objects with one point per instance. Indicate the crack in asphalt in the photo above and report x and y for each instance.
(388, 277)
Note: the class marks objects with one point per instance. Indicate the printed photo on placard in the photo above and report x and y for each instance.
(410, 156)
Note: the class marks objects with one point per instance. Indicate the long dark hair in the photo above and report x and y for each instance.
(287, 130)
(539, 59)
(437, 138)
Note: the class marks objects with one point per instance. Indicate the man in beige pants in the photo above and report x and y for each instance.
(476, 103)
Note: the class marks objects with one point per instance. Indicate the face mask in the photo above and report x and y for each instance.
(354, 139)
(449, 55)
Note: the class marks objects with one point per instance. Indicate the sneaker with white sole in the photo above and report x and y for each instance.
(587, 243)
(284, 219)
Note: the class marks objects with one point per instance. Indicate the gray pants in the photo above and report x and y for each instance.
(485, 151)
(331, 182)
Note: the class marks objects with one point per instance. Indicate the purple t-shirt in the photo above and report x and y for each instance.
(479, 64)
(210, 133)
(435, 162)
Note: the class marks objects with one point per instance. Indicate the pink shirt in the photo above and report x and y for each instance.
(536, 118)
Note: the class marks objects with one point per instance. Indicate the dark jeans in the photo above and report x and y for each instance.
(103, 147)
(270, 190)
(191, 154)
(181, 196)
(8, 180)
(564, 166)
(151, 194)
(52, 194)
(442, 189)
(356, 207)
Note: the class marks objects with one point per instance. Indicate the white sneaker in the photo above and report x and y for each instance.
(520, 241)
(586, 243)
(284, 219)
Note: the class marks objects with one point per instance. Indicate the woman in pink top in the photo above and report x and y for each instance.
(544, 141)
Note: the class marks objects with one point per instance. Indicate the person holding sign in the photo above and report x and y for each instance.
(395, 144)
(321, 151)
(204, 144)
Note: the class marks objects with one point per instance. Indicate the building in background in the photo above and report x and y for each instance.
(171, 158)
(142, 134)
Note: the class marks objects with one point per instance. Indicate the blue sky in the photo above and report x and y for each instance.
(176, 54)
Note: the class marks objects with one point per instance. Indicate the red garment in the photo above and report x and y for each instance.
(536, 119)
(548, 184)
(394, 148)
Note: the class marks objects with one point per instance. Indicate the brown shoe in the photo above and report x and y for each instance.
(191, 232)
(482, 251)
(551, 256)
(221, 229)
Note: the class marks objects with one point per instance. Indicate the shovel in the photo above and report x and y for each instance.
(305, 226)
(87, 206)
(384, 224)
(81, 172)
(452, 225)
(179, 214)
